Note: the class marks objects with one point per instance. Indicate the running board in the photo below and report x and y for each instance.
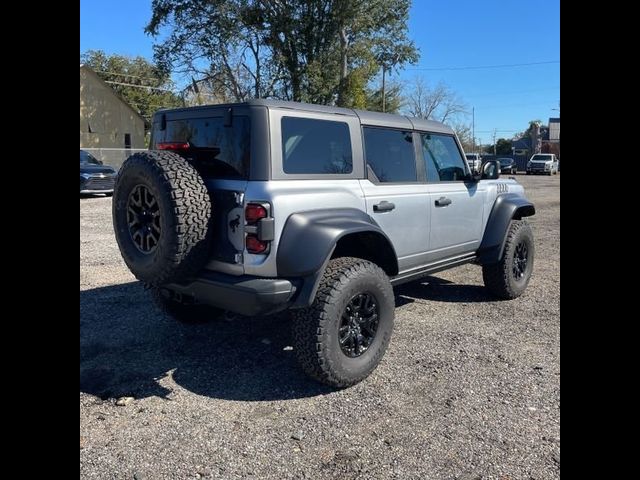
(428, 270)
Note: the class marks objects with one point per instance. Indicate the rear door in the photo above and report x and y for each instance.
(456, 205)
(395, 198)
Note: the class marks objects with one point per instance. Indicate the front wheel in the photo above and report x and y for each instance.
(341, 338)
(509, 277)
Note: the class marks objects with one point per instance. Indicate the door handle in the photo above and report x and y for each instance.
(383, 206)
(443, 201)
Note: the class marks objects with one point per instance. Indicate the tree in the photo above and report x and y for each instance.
(143, 85)
(502, 147)
(321, 51)
(464, 133)
(433, 103)
(393, 98)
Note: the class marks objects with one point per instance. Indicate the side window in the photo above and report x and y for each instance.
(390, 154)
(315, 146)
(443, 160)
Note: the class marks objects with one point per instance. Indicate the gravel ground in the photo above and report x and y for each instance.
(469, 388)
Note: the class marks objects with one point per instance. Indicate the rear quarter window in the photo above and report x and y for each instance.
(312, 146)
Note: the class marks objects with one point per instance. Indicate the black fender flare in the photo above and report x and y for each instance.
(507, 207)
(308, 240)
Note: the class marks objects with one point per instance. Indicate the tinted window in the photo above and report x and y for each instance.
(538, 157)
(390, 154)
(443, 160)
(315, 146)
(216, 149)
(86, 157)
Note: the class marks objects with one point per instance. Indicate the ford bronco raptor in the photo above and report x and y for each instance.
(268, 205)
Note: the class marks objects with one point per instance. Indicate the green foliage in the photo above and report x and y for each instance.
(393, 94)
(143, 85)
(532, 126)
(319, 51)
(503, 147)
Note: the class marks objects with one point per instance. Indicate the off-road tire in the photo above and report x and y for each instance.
(499, 277)
(315, 328)
(184, 208)
(189, 313)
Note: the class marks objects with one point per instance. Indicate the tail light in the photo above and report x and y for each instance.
(254, 245)
(254, 212)
(173, 146)
(259, 227)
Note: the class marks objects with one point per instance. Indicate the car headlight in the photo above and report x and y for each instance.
(86, 176)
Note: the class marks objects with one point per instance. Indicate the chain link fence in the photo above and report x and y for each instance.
(114, 157)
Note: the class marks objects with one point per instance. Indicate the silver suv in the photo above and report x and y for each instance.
(267, 205)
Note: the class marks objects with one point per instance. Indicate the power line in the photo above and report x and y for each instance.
(513, 93)
(479, 67)
(127, 75)
(139, 86)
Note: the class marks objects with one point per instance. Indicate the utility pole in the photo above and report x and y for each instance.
(384, 98)
(494, 141)
(473, 127)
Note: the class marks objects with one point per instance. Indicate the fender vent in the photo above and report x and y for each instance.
(502, 188)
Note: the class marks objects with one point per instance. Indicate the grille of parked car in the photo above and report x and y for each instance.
(98, 183)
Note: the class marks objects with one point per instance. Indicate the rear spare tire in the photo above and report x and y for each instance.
(161, 215)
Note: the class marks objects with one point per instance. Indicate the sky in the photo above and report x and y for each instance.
(454, 37)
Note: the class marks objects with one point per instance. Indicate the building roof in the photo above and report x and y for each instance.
(366, 117)
(88, 69)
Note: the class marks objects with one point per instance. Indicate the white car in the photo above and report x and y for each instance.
(474, 160)
(546, 163)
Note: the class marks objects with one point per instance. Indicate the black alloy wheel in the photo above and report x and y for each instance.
(520, 259)
(143, 219)
(359, 324)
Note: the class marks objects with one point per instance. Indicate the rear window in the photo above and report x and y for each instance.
(215, 149)
(315, 146)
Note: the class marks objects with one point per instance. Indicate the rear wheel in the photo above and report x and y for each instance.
(509, 277)
(341, 338)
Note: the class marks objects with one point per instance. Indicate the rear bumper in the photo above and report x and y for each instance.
(245, 294)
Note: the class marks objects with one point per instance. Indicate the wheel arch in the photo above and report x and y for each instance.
(507, 207)
(310, 239)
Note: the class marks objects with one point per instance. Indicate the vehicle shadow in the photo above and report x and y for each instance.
(128, 347)
(440, 290)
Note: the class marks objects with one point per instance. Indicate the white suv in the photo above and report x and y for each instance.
(546, 163)
(474, 160)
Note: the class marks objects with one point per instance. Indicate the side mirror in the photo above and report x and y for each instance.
(490, 170)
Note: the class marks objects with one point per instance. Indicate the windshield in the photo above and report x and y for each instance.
(504, 161)
(471, 156)
(545, 158)
(86, 157)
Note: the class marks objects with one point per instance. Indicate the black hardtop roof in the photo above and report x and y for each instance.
(366, 117)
